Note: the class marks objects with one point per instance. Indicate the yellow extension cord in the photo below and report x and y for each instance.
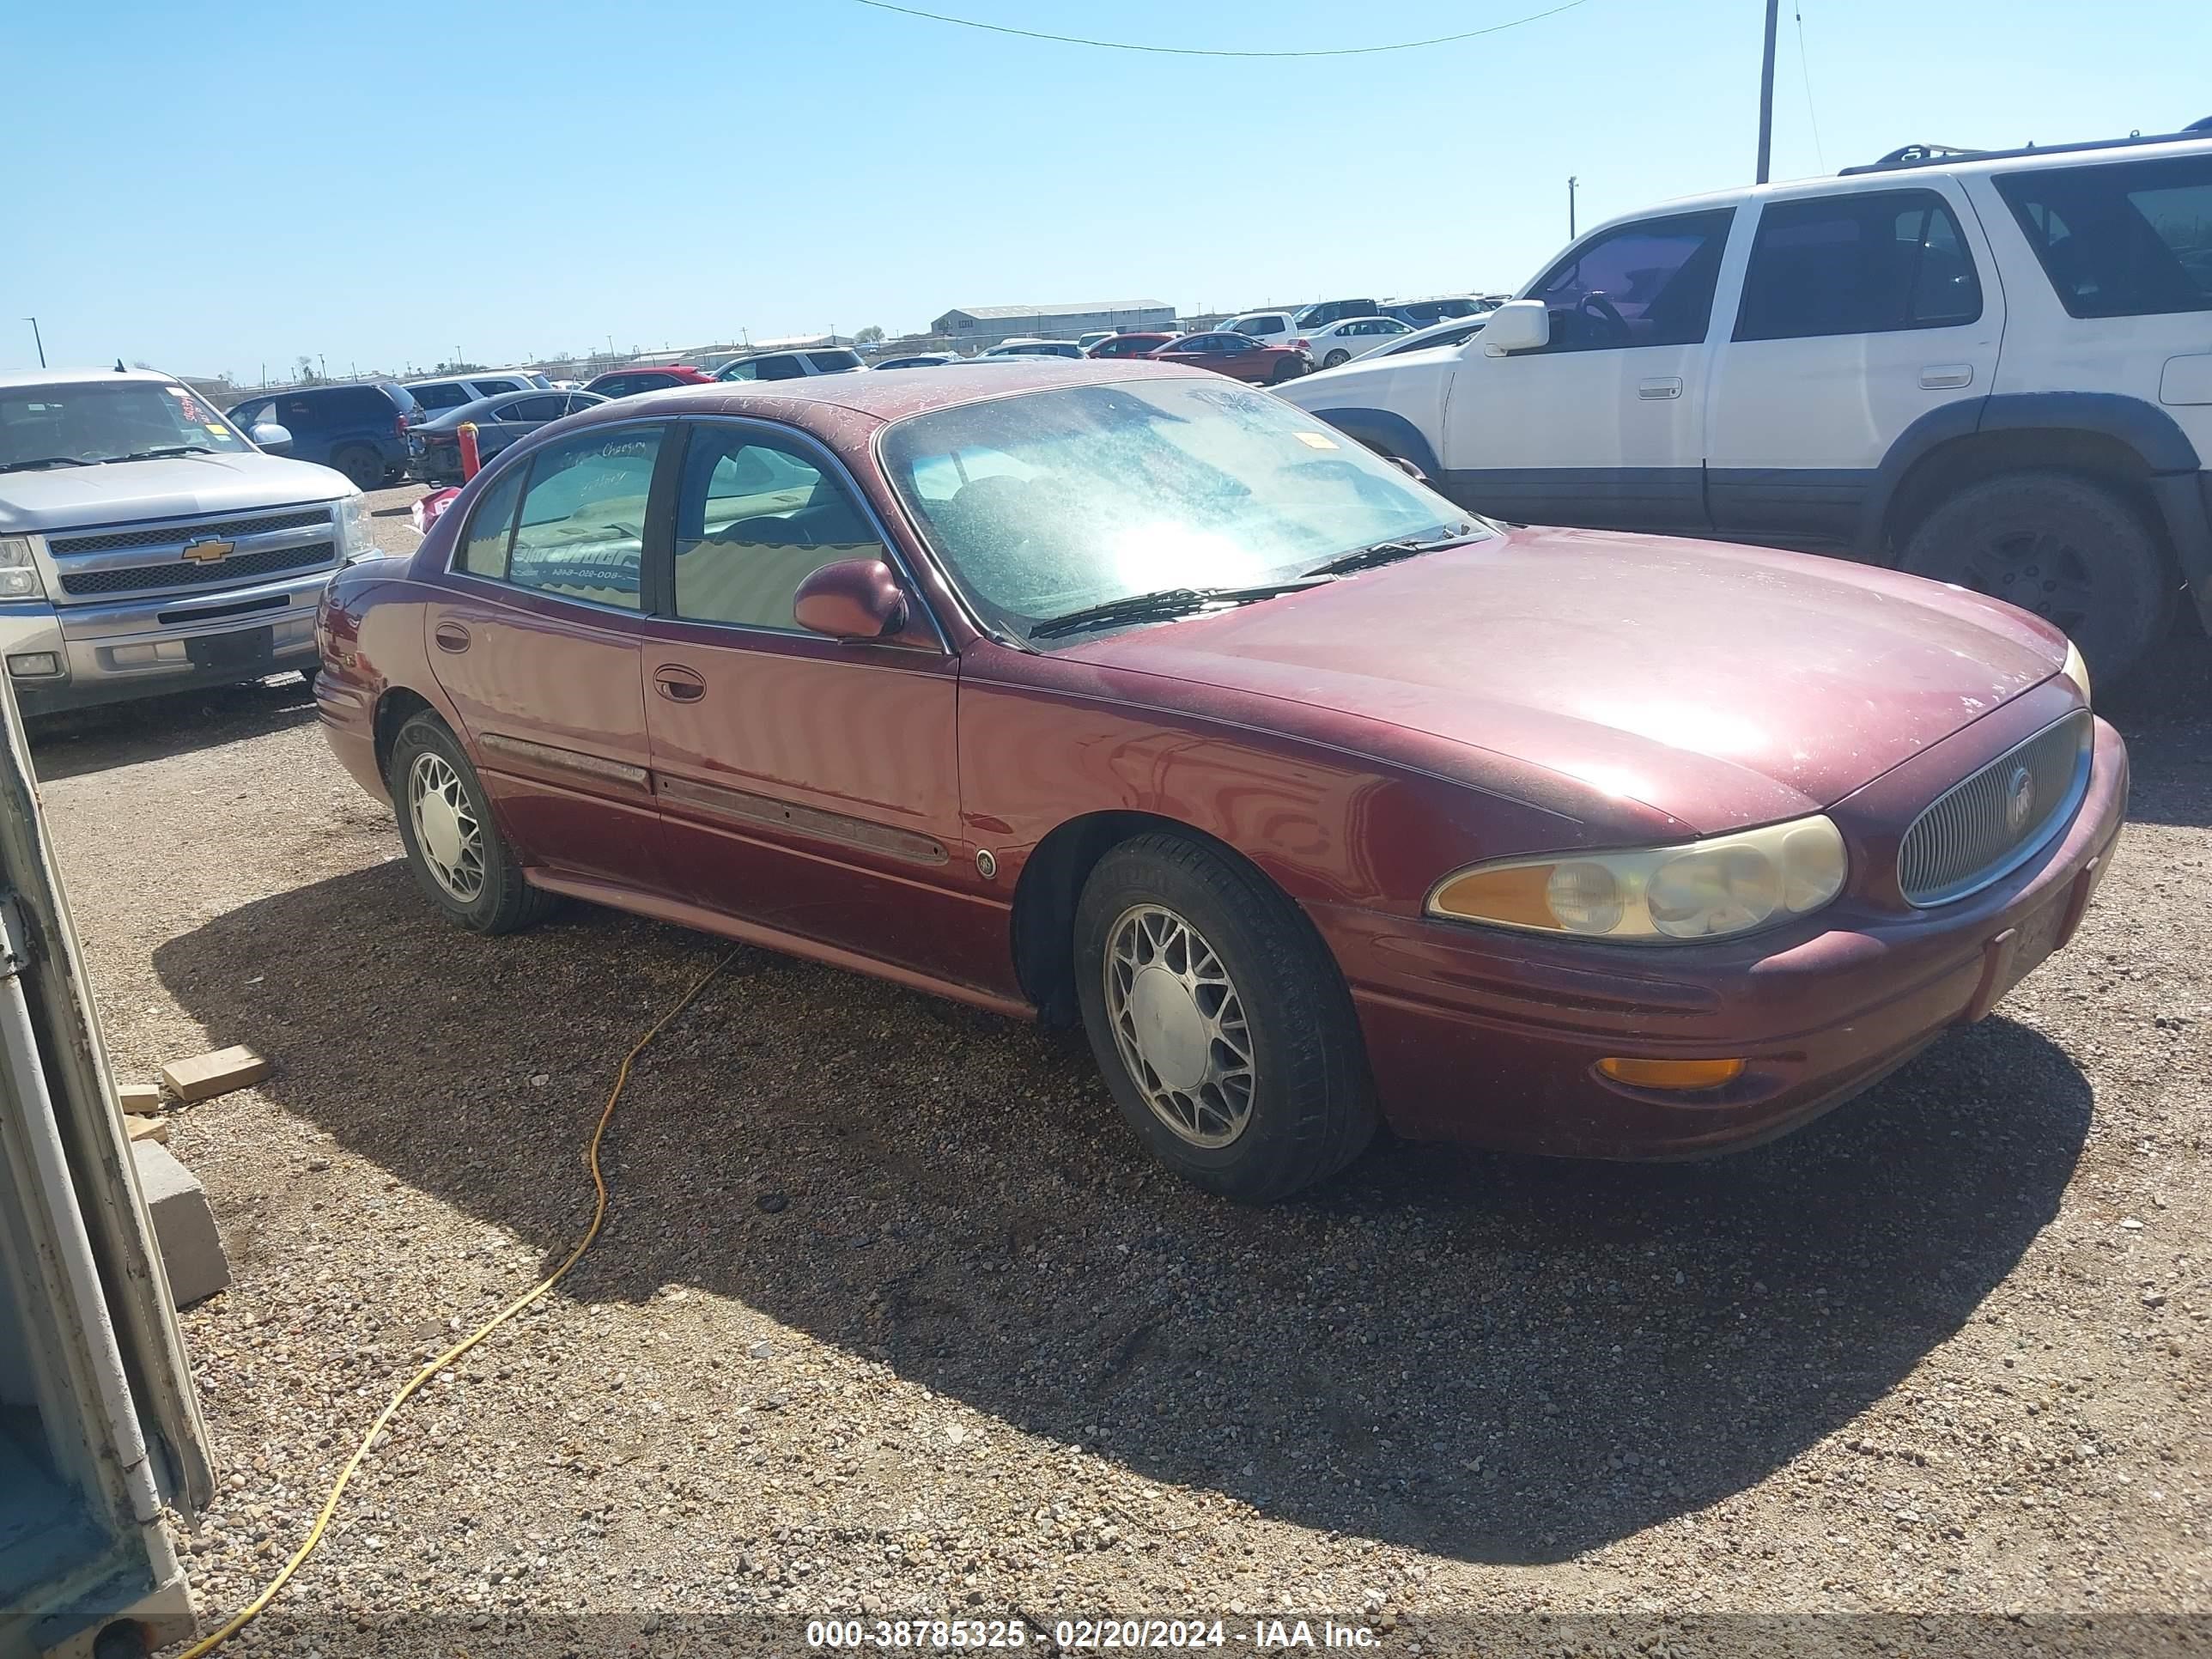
(253, 1609)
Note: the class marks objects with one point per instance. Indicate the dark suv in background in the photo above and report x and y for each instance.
(361, 430)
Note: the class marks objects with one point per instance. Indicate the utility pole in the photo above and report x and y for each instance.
(38, 339)
(1570, 207)
(1766, 92)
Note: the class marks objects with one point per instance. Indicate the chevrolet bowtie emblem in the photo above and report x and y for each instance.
(207, 550)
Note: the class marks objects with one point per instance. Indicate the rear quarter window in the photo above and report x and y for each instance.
(2130, 239)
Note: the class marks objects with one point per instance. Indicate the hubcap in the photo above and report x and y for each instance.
(446, 832)
(1179, 1025)
(2037, 570)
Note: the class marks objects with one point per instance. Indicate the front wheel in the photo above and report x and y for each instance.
(1220, 1020)
(454, 845)
(2075, 553)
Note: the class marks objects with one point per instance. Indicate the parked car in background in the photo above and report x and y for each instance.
(1358, 805)
(791, 365)
(1091, 340)
(917, 360)
(360, 430)
(1339, 342)
(1422, 314)
(435, 445)
(1035, 349)
(437, 395)
(147, 546)
(1239, 356)
(1993, 369)
(1321, 313)
(628, 382)
(1272, 327)
(1134, 345)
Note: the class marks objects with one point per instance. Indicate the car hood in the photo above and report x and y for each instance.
(123, 492)
(1721, 686)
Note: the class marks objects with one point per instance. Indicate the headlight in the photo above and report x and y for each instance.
(19, 570)
(2076, 671)
(356, 539)
(1701, 889)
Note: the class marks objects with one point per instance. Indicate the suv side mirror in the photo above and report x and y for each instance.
(271, 437)
(1518, 326)
(851, 599)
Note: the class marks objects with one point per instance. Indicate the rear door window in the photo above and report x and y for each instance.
(2130, 239)
(779, 368)
(1649, 283)
(493, 388)
(550, 408)
(448, 396)
(834, 362)
(1868, 263)
(581, 533)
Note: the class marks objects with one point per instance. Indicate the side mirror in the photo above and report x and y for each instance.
(277, 440)
(851, 599)
(1518, 326)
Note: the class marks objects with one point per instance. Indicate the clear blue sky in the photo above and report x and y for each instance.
(212, 187)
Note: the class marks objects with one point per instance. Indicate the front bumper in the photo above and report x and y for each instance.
(145, 646)
(1477, 1036)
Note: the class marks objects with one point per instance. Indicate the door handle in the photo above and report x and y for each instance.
(451, 636)
(1935, 377)
(1660, 386)
(678, 685)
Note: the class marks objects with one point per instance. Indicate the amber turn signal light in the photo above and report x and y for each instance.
(1672, 1074)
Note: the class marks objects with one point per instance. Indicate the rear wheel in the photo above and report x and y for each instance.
(1219, 1019)
(454, 845)
(1289, 369)
(1334, 358)
(2075, 553)
(363, 466)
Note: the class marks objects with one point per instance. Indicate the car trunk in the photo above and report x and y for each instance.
(98, 1424)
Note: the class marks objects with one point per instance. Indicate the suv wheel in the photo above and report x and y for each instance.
(2074, 552)
(1219, 1019)
(363, 466)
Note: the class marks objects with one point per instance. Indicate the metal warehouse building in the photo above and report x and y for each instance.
(975, 326)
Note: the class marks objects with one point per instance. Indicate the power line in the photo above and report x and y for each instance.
(1806, 70)
(1205, 51)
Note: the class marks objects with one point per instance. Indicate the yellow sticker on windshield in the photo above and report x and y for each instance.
(219, 431)
(1316, 440)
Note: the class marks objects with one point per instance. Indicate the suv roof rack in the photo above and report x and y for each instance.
(1922, 155)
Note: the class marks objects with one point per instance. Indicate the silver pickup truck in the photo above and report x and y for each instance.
(148, 545)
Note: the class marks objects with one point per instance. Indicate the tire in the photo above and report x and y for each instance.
(1286, 372)
(2072, 552)
(1295, 1105)
(1334, 358)
(363, 466)
(499, 901)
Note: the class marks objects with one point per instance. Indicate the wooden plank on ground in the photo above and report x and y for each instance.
(204, 1076)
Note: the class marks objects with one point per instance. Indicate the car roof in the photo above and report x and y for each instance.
(81, 376)
(892, 397)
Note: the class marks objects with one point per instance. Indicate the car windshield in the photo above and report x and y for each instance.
(85, 422)
(1051, 502)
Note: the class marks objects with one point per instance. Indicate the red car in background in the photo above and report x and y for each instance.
(1108, 694)
(1239, 356)
(628, 382)
(1131, 345)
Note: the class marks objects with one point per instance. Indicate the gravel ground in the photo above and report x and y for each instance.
(893, 1319)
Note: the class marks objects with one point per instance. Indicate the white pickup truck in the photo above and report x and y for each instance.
(148, 545)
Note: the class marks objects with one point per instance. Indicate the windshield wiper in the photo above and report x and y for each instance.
(1166, 603)
(1362, 558)
(163, 452)
(47, 460)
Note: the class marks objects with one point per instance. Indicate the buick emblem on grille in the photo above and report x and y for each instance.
(2019, 799)
(207, 550)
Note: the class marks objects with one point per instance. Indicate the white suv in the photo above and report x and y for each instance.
(1991, 368)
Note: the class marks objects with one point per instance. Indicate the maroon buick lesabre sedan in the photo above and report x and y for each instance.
(1116, 693)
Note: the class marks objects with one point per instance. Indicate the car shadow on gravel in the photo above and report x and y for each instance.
(122, 734)
(1497, 1358)
(2165, 712)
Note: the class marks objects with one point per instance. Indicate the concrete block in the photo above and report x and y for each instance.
(143, 1099)
(191, 1249)
(148, 1128)
(204, 1076)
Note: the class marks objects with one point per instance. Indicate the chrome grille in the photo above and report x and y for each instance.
(182, 572)
(171, 535)
(1980, 830)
